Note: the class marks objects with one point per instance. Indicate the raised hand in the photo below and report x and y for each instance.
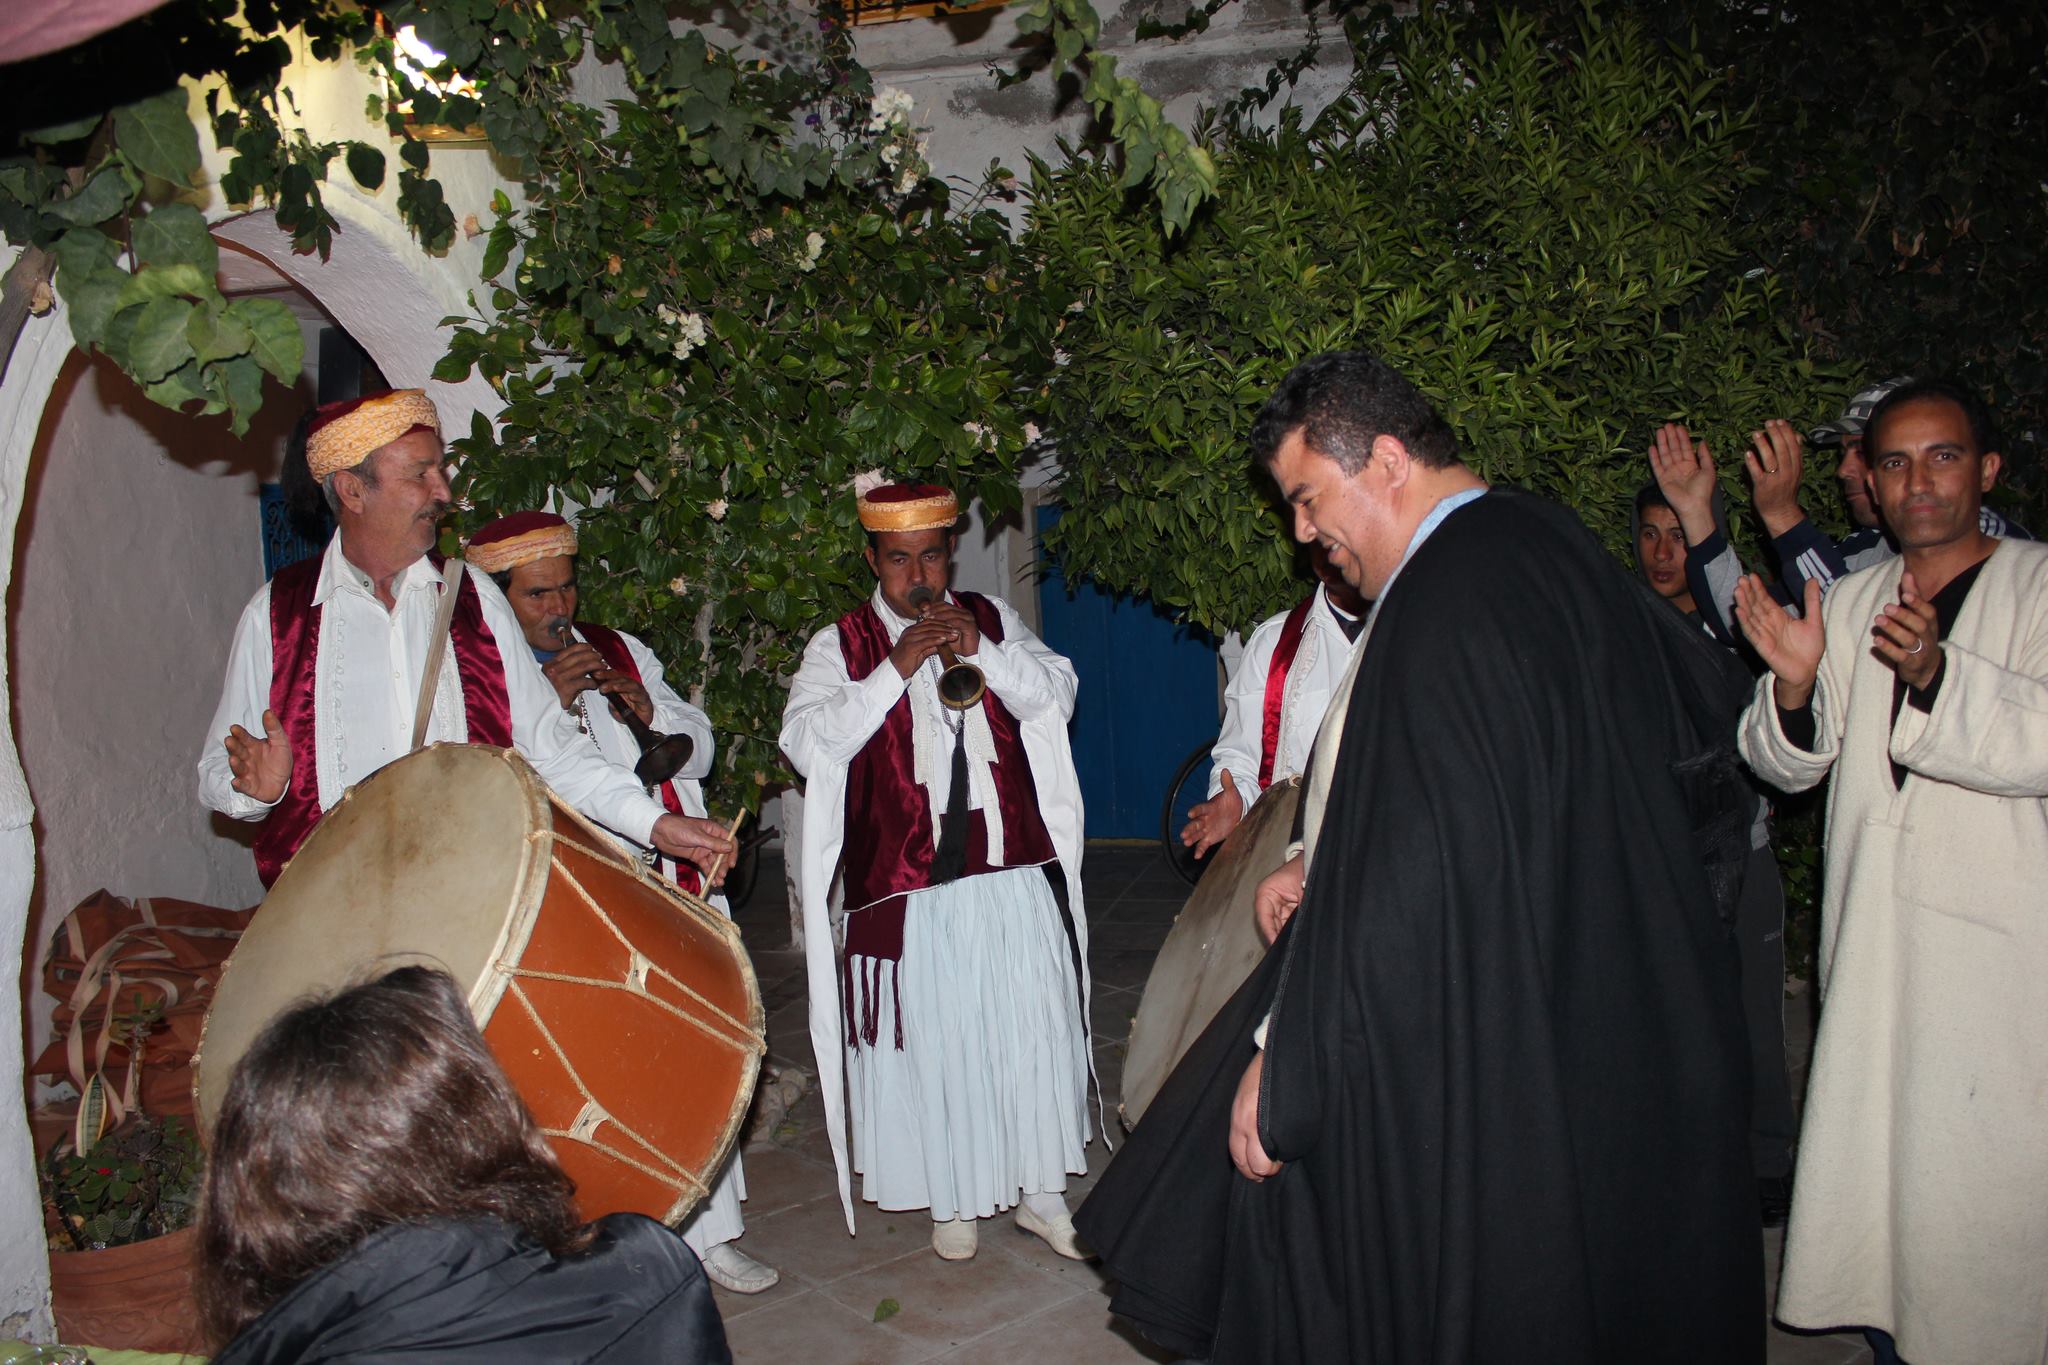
(261, 764)
(1210, 823)
(1789, 645)
(1906, 635)
(1684, 470)
(1774, 459)
(919, 642)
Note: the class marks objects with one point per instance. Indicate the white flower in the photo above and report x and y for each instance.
(689, 328)
(984, 436)
(760, 235)
(715, 509)
(669, 316)
(892, 155)
(814, 247)
(867, 481)
(1060, 357)
(888, 106)
(679, 585)
(1030, 432)
(1076, 306)
(907, 181)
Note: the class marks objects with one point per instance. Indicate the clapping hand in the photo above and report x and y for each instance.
(1789, 645)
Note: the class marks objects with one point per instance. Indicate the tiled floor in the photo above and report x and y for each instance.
(882, 1297)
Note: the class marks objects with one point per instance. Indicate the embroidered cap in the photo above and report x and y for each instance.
(343, 435)
(908, 507)
(520, 538)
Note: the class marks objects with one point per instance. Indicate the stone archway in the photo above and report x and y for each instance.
(391, 298)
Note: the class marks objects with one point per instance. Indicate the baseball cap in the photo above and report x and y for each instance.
(1850, 423)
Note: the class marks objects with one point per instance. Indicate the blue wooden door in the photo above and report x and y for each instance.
(1148, 696)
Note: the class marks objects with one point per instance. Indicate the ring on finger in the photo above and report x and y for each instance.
(1918, 645)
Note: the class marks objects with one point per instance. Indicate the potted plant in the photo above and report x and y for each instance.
(119, 1215)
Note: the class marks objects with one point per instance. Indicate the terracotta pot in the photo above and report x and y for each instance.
(136, 1297)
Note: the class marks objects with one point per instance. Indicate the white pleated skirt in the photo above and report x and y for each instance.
(987, 1100)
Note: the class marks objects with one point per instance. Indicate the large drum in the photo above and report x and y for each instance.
(1212, 948)
(625, 1012)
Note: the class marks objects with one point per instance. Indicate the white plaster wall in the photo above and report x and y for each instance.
(139, 544)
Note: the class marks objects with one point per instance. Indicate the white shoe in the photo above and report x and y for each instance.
(732, 1268)
(1058, 1233)
(955, 1238)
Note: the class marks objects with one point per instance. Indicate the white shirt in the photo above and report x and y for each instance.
(672, 716)
(1319, 664)
(366, 684)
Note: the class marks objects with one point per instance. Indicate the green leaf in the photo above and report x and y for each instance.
(177, 388)
(242, 378)
(64, 132)
(91, 298)
(886, 1309)
(164, 282)
(175, 234)
(366, 164)
(158, 344)
(99, 199)
(218, 335)
(157, 136)
(279, 346)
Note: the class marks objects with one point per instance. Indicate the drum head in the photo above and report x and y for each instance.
(1212, 948)
(425, 861)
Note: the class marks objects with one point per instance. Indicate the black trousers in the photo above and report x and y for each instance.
(1760, 940)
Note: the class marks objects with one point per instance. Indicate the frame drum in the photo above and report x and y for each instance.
(624, 1010)
(1212, 948)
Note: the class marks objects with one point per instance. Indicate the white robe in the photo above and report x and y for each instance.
(829, 719)
(1319, 665)
(718, 1218)
(1921, 1200)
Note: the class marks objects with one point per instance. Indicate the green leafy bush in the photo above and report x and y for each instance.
(1537, 234)
(139, 1181)
(720, 309)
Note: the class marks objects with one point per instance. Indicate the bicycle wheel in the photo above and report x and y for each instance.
(1190, 787)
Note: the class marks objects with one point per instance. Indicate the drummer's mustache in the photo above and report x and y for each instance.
(558, 626)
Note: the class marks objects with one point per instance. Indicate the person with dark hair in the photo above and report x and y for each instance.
(1921, 685)
(325, 678)
(532, 557)
(1496, 1108)
(375, 1190)
(1660, 542)
(955, 1072)
(1273, 702)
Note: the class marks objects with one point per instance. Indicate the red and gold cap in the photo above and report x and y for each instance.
(908, 507)
(343, 435)
(520, 538)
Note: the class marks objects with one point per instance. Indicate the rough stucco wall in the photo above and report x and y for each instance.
(139, 544)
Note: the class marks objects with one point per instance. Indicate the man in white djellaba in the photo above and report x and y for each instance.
(958, 1004)
(1922, 683)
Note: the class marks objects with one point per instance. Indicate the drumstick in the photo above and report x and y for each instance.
(718, 862)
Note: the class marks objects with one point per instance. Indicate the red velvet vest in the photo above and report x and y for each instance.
(889, 837)
(294, 643)
(1284, 650)
(612, 646)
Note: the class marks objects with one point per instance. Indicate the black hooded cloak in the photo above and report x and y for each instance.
(1506, 1063)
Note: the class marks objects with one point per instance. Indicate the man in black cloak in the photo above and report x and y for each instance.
(1500, 1114)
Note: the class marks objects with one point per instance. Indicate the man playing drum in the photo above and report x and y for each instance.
(963, 985)
(532, 557)
(1274, 701)
(327, 662)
